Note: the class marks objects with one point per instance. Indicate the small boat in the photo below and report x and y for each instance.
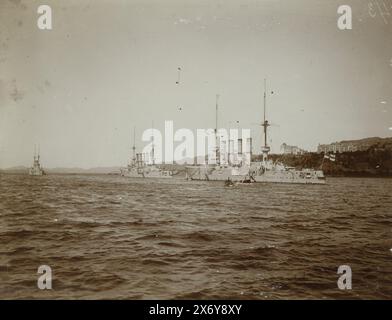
(246, 181)
(229, 183)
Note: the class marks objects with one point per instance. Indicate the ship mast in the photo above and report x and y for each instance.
(217, 153)
(265, 149)
(152, 149)
(134, 145)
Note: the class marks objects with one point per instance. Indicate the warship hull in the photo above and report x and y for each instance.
(305, 176)
(216, 173)
(146, 173)
(36, 172)
(296, 177)
(273, 173)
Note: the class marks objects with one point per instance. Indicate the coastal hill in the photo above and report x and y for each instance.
(374, 160)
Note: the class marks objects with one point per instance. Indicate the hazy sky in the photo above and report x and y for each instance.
(79, 89)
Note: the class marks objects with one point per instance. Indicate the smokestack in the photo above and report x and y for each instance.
(248, 151)
(231, 152)
(249, 145)
(223, 153)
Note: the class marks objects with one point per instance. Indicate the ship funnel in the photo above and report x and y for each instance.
(248, 151)
(140, 160)
(223, 154)
(239, 146)
(231, 152)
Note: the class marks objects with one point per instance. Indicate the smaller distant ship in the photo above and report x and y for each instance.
(36, 169)
(142, 167)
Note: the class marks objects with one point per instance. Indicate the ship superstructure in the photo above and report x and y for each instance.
(226, 163)
(142, 165)
(36, 169)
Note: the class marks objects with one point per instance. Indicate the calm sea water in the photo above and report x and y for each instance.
(121, 238)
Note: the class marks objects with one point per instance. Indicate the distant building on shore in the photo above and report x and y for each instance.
(351, 145)
(286, 149)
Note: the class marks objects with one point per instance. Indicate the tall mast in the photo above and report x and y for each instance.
(153, 149)
(265, 96)
(265, 106)
(216, 114)
(265, 149)
(134, 144)
(217, 155)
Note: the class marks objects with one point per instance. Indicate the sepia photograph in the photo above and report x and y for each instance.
(169, 150)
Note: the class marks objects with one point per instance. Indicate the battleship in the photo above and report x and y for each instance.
(225, 166)
(269, 171)
(244, 170)
(143, 165)
(36, 169)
